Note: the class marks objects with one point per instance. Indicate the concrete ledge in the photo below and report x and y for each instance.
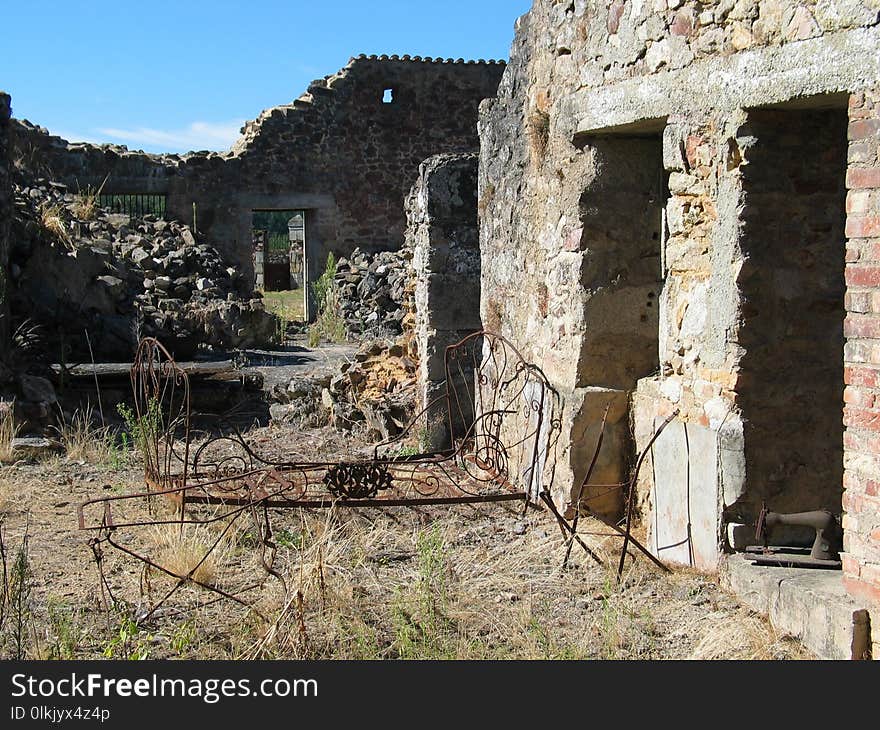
(811, 605)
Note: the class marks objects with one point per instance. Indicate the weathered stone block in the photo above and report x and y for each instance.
(581, 422)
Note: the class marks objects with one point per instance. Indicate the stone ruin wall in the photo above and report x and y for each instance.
(443, 234)
(337, 151)
(5, 216)
(597, 95)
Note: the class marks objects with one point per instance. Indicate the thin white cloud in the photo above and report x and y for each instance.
(197, 136)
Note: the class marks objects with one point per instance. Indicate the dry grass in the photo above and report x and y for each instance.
(188, 549)
(53, 223)
(429, 583)
(8, 431)
(463, 587)
(16, 490)
(85, 206)
(744, 636)
(84, 440)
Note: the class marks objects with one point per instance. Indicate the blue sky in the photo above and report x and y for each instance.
(174, 76)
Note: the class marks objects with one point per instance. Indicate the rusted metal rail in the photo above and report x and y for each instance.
(500, 416)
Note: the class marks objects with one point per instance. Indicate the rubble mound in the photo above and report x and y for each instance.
(76, 269)
(375, 392)
(376, 293)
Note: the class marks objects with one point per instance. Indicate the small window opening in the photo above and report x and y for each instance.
(388, 96)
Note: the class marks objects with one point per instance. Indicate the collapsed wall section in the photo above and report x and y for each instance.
(348, 150)
(345, 152)
(83, 166)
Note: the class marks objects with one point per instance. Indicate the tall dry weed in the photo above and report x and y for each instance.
(8, 431)
(84, 440)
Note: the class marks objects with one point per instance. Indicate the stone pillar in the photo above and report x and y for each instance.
(861, 499)
(697, 463)
(444, 234)
(5, 215)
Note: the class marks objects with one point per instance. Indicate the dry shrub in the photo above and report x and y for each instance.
(8, 431)
(85, 207)
(185, 548)
(6, 491)
(53, 223)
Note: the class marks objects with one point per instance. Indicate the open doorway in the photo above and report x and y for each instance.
(792, 285)
(622, 212)
(622, 216)
(279, 240)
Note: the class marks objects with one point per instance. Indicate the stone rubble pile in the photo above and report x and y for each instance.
(122, 278)
(376, 391)
(375, 293)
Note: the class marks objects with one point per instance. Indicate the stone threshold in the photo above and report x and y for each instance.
(810, 604)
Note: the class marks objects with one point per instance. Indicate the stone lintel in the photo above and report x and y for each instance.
(834, 63)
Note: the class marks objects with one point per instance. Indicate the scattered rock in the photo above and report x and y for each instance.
(117, 278)
(375, 292)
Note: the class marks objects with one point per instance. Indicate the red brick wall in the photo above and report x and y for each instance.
(861, 481)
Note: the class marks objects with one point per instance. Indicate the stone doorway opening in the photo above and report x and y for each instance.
(280, 263)
(622, 214)
(792, 286)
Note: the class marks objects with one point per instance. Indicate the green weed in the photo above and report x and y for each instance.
(183, 638)
(128, 642)
(422, 627)
(15, 599)
(66, 637)
(293, 539)
(328, 325)
(144, 429)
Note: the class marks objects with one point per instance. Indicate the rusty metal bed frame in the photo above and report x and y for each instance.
(500, 416)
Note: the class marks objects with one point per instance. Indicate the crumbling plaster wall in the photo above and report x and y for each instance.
(442, 231)
(5, 216)
(337, 151)
(582, 71)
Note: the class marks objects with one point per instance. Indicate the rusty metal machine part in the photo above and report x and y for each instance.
(827, 543)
